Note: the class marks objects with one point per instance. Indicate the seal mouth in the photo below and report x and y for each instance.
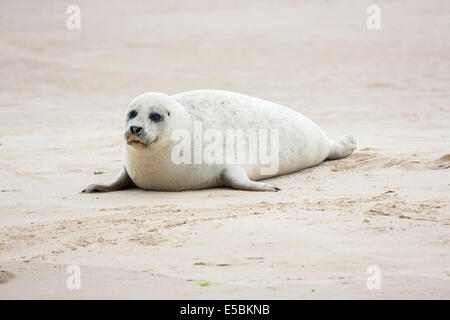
(136, 141)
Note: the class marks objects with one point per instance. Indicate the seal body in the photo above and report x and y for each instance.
(149, 162)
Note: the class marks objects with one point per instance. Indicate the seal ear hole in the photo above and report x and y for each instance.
(132, 114)
(168, 113)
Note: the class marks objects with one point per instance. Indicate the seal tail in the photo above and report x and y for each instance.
(342, 148)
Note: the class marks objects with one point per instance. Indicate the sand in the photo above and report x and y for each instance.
(63, 96)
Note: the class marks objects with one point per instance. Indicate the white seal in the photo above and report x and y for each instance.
(182, 142)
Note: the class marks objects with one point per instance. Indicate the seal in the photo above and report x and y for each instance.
(160, 155)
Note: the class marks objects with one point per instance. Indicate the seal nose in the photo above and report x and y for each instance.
(135, 129)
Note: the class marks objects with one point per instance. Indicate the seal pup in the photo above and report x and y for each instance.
(152, 119)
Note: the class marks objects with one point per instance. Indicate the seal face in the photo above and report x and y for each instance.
(182, 142)
(148, 120)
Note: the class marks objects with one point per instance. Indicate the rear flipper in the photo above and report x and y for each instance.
(342, 148)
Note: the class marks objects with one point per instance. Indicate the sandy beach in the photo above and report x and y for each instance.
(63, 97)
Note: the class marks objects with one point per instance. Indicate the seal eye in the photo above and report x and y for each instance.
(156, 117)
(132, 114)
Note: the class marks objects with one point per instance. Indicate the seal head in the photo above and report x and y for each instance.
(150, 120)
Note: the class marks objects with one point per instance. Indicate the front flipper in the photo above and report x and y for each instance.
(236, 178)
(121, 181)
